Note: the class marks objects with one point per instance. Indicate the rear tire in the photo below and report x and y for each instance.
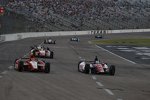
(20, 66)
(47, 68)
(112, 70)
(51, 54)
(87, 68)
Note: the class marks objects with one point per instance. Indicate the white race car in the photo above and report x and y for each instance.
(95, 67)
(75, 39)
(42, 52)
(49, 41)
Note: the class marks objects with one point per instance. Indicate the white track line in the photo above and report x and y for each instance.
(116, 54)
(99, 84)
(119, 99)
(89, 42)
(4, 72)
(109, 92)
(10, 67)
(94, 78)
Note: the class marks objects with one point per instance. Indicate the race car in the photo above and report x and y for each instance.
(31, 64)
(49, 41)
(98, 36)
(96, 68)
(42, 52)
(75, 39)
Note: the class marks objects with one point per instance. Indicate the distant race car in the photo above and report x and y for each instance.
(98, 36)
(49, 41)
(31, 64)
(42, 52)
(75, 39)
(95, 68)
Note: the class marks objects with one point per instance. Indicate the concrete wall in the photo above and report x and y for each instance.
(17, 36)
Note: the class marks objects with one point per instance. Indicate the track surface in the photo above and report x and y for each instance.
(131, 81)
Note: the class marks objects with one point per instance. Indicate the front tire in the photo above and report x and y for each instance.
(47, 68)
(87, 68)
(20, 66)
(112, 70)
(52, 55)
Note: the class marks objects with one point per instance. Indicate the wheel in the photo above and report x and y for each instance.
(44, 41)
(52, 55)
(93, 70)
(79, 66)
(15, 63)
(20, 66)
(54, 42)
(112, 70)
(34, 53)
(47, 68)
(87, 68)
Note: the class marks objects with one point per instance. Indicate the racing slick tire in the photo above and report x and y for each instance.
(112, 70)
(54, 42)
(15, 64)
(34, 53)
(44, 41)
(20, 66)
(52, 55)
(93, 70)
(87, 68)
(47, 68)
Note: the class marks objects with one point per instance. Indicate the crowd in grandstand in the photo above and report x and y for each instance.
(124, 12)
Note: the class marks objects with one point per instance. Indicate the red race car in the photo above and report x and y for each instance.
(31, 64)
(95, 68)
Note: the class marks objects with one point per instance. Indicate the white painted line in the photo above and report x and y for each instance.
(109, 92)
(99, 84)
(116, 54)
(119, 99)
(89, 42)
(41, 43)
(10, 67)
(94, 78)
(80, 57)
(4, 72)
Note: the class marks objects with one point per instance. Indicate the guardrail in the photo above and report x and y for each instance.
(17, 36)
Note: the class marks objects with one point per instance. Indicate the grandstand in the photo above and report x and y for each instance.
(70, 15)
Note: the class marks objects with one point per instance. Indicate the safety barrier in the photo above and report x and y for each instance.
(17, 36)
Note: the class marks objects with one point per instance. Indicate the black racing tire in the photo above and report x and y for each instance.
(87, 68)
(112, 70)
(15, 63)
(93, 70)
(54, 42)
(51, 54)
(34, 53)
(47, 68)
(44, 41)
(20, 66)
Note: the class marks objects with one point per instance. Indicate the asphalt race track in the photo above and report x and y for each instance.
(131, 81)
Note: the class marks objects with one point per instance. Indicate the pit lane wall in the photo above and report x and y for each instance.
(18, 36)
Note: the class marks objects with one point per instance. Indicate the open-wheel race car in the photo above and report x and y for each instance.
(42, 52)
(98, 36)
(95, 67)
(75, 39)
(49, 41)
(31, 64)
